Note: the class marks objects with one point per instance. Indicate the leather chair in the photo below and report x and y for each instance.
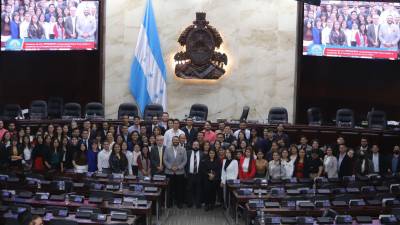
(245, 113)
(198, 112)
(377, 119)
(277, 115)
(345, 118)
(72, 110)
(129, 109)
(152, 110)
(10, 111)
(38, 110)
(314, 116)
(94, 109)
(55, 107)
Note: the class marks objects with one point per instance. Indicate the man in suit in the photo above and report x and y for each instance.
(378, 160)
(394, 163)
(157, 155)
(175, 159)
(228, 135)
(363, 149)
(154, 124)
(344, 163)
(86, 26)
(193, 186)
(85, 139)
(70, 24)
(190, 131)
(373, 32)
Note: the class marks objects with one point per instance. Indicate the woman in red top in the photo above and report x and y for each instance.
(301, 165)
(247, 165)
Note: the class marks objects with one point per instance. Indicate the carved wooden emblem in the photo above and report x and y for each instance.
(200, 60)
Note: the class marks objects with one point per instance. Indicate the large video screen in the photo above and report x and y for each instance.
(34, 25)
(358, 29)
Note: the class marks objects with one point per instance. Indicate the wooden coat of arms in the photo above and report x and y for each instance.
(200, 60)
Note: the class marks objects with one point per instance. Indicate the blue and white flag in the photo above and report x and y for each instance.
(148, 74)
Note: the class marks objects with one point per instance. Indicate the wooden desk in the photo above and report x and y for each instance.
(106, 207)
(49, 216)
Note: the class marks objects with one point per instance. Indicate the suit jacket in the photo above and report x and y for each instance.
(382, 162)
(155, 159)
(179, 161)
(189, 155)
(372, 36)
(345, 168)
(69, 28)
(190, 136)
(251, 171)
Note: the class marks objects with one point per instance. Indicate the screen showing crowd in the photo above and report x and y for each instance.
(49, 25)
(359, 29)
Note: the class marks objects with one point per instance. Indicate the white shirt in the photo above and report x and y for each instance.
(135, 156)
(175, 151)
(27, 154)
(325, 35)
(288, 167)
(276, 170)
(103, 160)
(191, 167)
(169, 134)
(246, 133)
(245, 165)
(23, 29)
(231, 172)
(129, 157)
(375, 161)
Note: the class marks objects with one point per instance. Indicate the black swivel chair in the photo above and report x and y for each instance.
(129, 109)
(277, 115)
(345, 118)
(38, 110)
(198, 112)
(72, 110)
(10, 111)
(152, 110)
(55, 107)
(94, 109)
(245, 113)
(377, 119)
(314, 116)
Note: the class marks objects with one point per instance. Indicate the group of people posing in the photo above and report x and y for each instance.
(198, 162)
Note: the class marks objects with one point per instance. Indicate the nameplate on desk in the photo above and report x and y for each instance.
(77, 198)
(130, 177)
(260, 191)
(118, 176)
(7, 193)
(159, 177)
(98, 217)
(352, 190)
(245, 191)
(117, 201)
(357, 202)
(323, 191)
(322, 203)
(129, 199)
(387, 219)
(3, 177)
(95, 200)
(256, 203)
(150, 189)
(101, 175)
(42, 195)
(233, 182)
(343, 219)
(136, 187)
(272, 205)
(112, 187)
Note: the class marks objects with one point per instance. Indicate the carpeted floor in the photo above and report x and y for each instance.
(194, 216)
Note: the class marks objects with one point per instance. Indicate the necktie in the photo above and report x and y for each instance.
(195, 164)
(161, 156)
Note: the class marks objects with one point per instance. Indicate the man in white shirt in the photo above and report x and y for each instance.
(326, 32)
(103, 157)
(378, 160)
(23, 26)
(243, 128)
(193, 188)
(169, 134)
